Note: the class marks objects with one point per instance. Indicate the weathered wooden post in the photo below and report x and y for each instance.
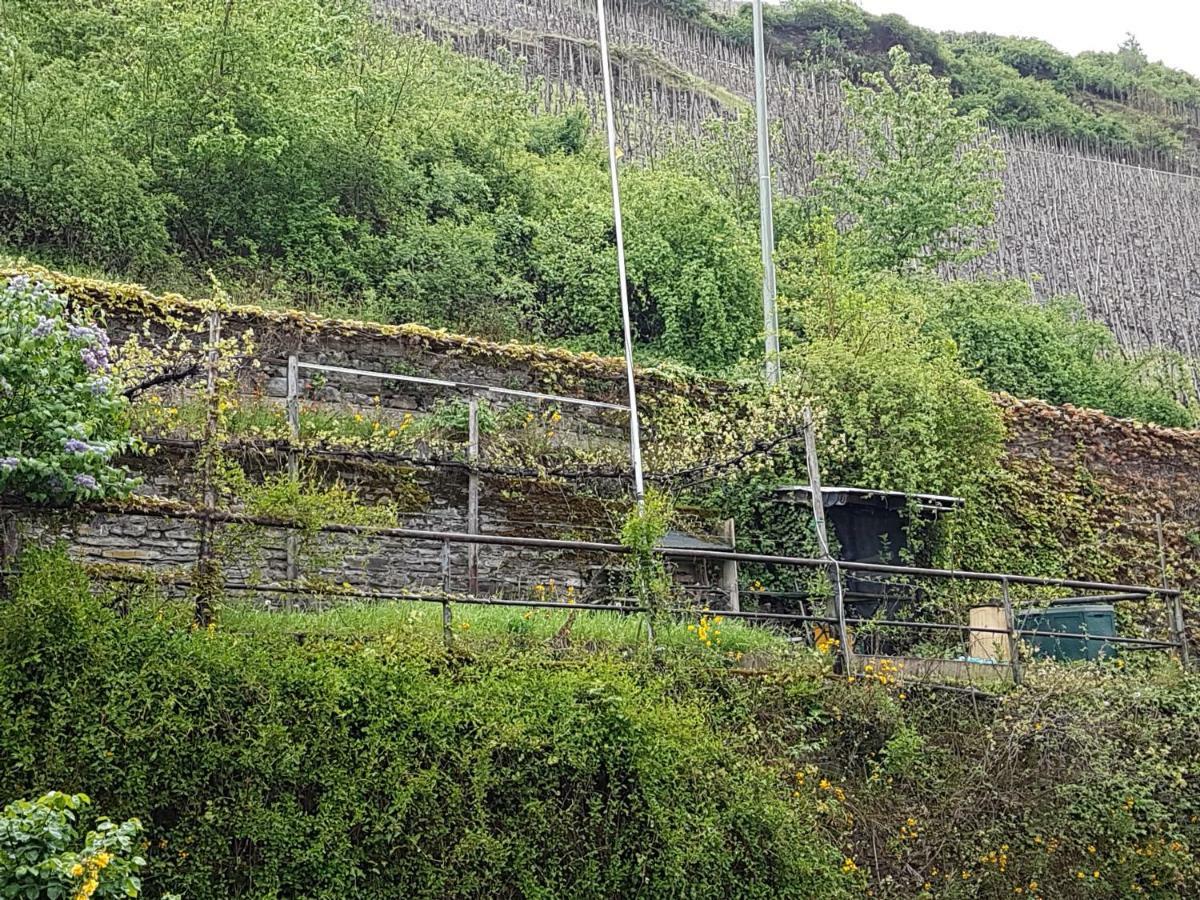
(729, 567)
(1014, 638)
(1174, 603)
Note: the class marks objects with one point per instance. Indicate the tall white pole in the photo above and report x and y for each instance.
(765, 205)
(635, 441)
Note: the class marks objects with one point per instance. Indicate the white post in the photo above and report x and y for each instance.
(765, 204)
(635, 442)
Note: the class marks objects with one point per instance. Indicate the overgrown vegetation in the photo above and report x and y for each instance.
(368, 758)
(312, 157)
(393, 179)
(381, 764)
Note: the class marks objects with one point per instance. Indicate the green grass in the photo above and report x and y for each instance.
(485, 627)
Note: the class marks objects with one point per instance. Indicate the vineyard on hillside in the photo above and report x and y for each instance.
(1119, 232)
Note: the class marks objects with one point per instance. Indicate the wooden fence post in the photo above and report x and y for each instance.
(1175, 621)
(1014, 639)
(729, 568)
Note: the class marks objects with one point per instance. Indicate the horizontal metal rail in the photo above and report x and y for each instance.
(464, 385)
(625, 609)
(456, 537)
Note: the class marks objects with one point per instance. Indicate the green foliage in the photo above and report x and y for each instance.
(37, 859)
(924, 180)
(312, 156)
(1050, 351)
(895, 398)
(1114, 98)
(642, 532)
(60, 408)
(369, 767)
(365, 760)
(691, 264)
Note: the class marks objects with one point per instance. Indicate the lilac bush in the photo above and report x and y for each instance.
(62, 413)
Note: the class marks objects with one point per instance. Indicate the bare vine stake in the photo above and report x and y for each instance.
(206, 574)
(818, 508)
(447, 633)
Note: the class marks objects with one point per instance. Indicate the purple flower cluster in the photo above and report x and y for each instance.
(43, 327)
(86, 481)
(8, 463)
(75, 445)
(100, 387)
(19, 284)
(95, 354)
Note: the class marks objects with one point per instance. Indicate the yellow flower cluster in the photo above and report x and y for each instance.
(550, 592)
(997, 858)
(89, 870)
(886, 672)
(707, 631)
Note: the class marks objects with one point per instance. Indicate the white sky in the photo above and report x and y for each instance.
(1168, 31)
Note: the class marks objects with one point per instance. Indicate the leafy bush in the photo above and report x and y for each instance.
(1050, 351)
(36, 859)
(313, 157)
(369, 767)
(373, 762)
(692, 270)
(62, 420)
(923, 181)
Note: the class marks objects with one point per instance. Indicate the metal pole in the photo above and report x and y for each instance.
(635, 440)
(205, 564)
(818, 508)
(293, 459)
(473, 494)
(1175, 620)
(765, 205)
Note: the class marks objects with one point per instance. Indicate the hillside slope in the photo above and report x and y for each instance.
(1076, 219)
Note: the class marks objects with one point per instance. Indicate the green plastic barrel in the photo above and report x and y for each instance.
(1097, 621)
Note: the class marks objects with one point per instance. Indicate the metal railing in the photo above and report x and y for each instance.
(1012, 633)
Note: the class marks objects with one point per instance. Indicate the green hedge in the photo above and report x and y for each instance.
(267, 767)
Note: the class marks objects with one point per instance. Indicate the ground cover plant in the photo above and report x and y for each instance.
(356, 751)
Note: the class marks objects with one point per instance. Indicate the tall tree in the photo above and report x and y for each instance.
(921, 180)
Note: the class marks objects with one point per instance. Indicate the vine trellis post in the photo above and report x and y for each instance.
(1175, 619)
(1014, 635)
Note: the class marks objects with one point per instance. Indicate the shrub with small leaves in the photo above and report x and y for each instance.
(61, 408)
(37, 858)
